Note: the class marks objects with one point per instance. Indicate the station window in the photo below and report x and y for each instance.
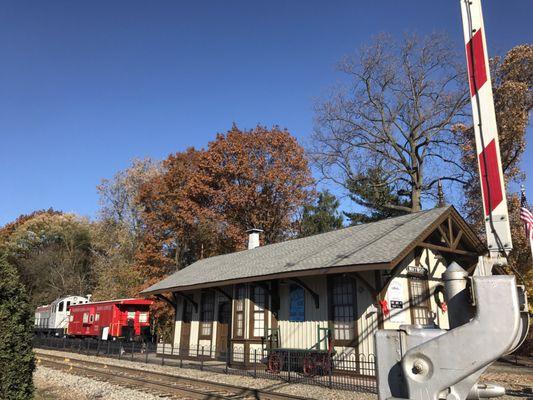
(240, 294)
(258, 312)
(207, 314)
(343, 305)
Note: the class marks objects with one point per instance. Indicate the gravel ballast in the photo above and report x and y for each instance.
(307, 391)
(67, 386)
(512, 378)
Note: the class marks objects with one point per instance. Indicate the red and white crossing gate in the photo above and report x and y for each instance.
(486, 131)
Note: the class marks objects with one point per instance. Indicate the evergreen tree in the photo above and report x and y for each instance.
(374, 193)
(16, 354)
(322, 216)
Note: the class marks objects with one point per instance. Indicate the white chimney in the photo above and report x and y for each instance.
(253, 238)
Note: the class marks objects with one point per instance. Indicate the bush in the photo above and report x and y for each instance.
(16, 331)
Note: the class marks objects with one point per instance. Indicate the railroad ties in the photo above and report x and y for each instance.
(156, 383)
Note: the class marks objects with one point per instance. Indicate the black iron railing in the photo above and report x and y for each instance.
(340, 371)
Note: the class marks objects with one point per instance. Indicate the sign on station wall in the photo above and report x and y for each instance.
(396, 297)
(296, 303)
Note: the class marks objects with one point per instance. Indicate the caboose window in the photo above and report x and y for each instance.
(131, 314)
(97, 317)
(207, 314)
(143, 317)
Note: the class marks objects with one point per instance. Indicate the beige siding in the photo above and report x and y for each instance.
(303, 335)
(367, 312)
(400, 284)
(195, 321)
(177, 323)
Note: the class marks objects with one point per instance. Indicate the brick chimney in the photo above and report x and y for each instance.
(253, 238)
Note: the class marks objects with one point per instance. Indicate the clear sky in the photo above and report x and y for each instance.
(87, 86)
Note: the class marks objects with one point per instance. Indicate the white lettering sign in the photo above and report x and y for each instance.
(395, 296)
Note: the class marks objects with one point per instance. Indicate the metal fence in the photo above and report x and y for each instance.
(355, 373)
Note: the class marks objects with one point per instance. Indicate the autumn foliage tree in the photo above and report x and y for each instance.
(52, 252)
(255, 179)
(171, 215)
(205, 200)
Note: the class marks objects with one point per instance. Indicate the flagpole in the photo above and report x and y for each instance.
(529, 234)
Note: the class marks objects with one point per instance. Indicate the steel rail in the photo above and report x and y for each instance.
(183, 387)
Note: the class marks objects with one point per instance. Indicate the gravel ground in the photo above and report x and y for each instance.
(307, 391)
(52, 384)
(509, 377)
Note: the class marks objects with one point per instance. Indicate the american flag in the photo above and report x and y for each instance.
(527, 217)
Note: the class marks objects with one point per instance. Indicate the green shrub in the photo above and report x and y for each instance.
(16, 331)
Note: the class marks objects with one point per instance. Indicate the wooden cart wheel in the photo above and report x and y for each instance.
(308, 366)
(274, 363)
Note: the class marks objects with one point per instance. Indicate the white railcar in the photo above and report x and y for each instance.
(52, 319)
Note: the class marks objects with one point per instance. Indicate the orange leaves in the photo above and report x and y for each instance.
(256, 178)
(205, 200)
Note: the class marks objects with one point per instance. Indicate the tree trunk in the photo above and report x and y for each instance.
(416, 200)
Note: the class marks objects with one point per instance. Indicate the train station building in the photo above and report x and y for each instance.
(324, 293)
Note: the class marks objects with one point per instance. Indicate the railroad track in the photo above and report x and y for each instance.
(157, 383)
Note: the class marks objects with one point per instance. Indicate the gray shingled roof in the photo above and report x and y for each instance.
(373, 243)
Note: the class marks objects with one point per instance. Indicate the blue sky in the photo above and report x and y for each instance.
(88, 86)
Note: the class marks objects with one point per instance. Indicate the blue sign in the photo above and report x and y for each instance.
(296, 303)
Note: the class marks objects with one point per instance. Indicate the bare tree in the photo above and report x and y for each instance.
(394, 118)
(117, 233)
(118, 196)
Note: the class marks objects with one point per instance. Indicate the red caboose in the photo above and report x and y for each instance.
(111, 319)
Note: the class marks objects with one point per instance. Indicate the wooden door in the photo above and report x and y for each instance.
(224, 323)
(185, 336)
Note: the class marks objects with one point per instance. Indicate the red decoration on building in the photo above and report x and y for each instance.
(384, 308)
